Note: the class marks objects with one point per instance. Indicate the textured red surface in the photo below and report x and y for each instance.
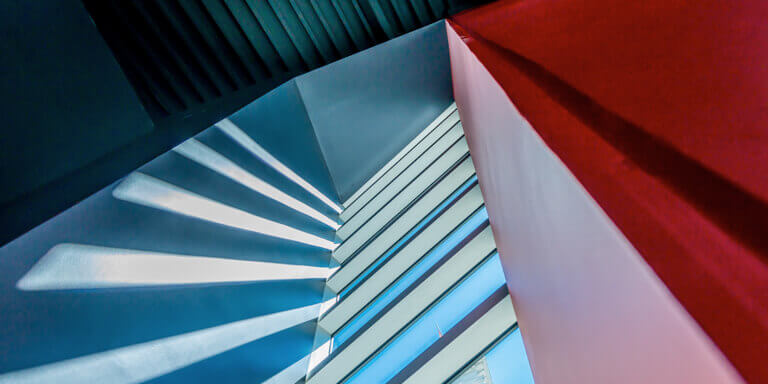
(659, 109)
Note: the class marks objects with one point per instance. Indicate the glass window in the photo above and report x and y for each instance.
(413, 232)
(431, 325)
(408, 278)
(505, 363)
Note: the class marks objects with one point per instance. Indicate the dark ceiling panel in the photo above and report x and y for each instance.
(181, 55)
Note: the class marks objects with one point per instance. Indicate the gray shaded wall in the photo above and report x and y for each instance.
(279, 122)
(367, 107)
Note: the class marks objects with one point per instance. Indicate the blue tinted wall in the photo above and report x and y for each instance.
(367, 107)
(279, 122)
(100, 325)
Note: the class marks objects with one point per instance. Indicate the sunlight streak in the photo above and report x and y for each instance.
(148, 191)
(78, 266)
(146, 361)
(318, 355)
(246, 142)
(202, 154)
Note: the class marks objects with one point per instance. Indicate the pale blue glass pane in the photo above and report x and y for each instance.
(424, 332)
(508, 362)
(401, 284)
(408, 236)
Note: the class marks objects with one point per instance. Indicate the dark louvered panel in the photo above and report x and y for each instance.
(184, 55)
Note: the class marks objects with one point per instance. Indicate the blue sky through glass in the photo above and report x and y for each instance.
(437, 211)
(424, 331)
(394, 290)
(508, 362)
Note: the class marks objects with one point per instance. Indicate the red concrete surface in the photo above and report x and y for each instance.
(657, 109)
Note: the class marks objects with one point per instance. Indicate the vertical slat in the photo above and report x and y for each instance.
(296, 32)
(188, 34)
(144, 89)
(438, 8)
(332, 24)
(315, 30)
(373, 15)
(198, 80)
(364, 20)
(181, 91)
(160, 95)
(381, 16)
(229, 28)
(165, 101)
(182, 54)
(392, 16)
(266, 17)
(136, 61)
(141, 83)
(211, 37)
(421, 11)
(257, 36)
(351, 23)
(404, 14)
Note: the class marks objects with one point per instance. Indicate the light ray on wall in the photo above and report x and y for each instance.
(202, 154)
(78, 266)
(318, 355)
(141, 362)
(149, 191)
(237, 134)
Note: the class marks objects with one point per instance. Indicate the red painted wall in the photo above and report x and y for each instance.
(657, 110)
